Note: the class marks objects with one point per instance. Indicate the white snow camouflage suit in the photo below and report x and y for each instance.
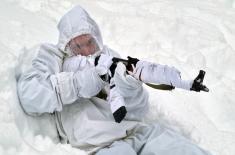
(83, 120)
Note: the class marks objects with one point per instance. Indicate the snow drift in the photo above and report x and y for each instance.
(190, 35)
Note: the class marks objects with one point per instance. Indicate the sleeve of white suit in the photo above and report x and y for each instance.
(37, 93)
(162, 74)
(45, 89)
(131, 89)
(72, 85)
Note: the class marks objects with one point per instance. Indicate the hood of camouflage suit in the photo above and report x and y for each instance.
(74, 23)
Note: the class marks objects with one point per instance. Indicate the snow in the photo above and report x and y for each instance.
(188, 34)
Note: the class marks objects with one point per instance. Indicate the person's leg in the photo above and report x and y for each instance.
(117, 148)
(170, 142)
(141, 134)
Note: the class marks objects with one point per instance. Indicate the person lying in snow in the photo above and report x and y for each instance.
(82, 119)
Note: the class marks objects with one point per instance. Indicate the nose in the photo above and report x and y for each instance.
(87, 50)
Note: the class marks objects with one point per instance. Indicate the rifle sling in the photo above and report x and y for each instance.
(160, 86)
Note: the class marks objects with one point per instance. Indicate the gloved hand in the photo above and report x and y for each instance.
(131, 62)
(103, 63)
(88, 83)
(131, 67)
(135, 70)
(198, 83)
(76, 63)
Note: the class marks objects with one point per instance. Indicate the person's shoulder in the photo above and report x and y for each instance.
(50, 49)
(109, 51)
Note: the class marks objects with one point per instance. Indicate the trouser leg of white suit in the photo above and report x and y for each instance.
(154, 140)
(117, 148)
(170, 142)
(157, 140)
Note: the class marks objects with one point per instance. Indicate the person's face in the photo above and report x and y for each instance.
(83, 45)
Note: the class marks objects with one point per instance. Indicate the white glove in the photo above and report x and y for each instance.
(137, 71)
(88, 83)
(104, 63)
(80, 78)
(76, 63)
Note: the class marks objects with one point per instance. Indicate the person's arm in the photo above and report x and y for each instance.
(133, 92)
(36, 92)
(45, 89)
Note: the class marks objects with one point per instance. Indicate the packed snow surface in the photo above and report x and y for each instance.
(188, 34)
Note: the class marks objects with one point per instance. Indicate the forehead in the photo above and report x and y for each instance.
(82, 38)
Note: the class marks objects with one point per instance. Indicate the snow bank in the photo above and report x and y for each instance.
(190, 35)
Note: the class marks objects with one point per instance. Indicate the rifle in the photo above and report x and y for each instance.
(198, 80)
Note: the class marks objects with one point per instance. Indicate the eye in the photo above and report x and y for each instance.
(91, 41)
